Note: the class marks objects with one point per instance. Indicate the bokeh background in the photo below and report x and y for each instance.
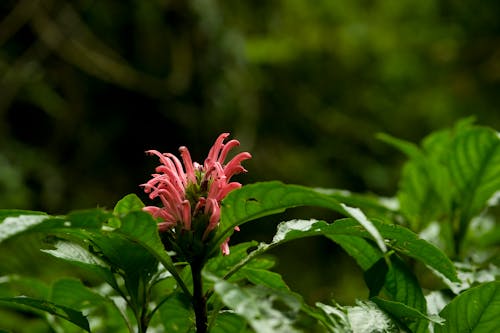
(86, 86)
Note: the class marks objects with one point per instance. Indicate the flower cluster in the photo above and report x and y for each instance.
(191, 193)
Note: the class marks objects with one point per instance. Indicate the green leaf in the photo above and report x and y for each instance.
(455, 175)
(123, 254)
(375, 276)
(419, 192)
(262, 199)
(403, 287)
(79, 256)
(398, 238)
(140, 228)
(76, 224)
(19, 223)
(264, 277)
(365, 316)
(475, 310)
(104, 314)
(409, 148)
(129, 203)
(474, 162)
(133, 246)
(89, 219)
(131, 260)
(405, 314)
(4, 213)
(73, 294)
(228, 322)
(400, 284)
(360, 217)
(424, 193)
(74, 316)
(403, 241)
(176, 314)
(266, 310)
(332, 317)
(364, 252)
(13, 285)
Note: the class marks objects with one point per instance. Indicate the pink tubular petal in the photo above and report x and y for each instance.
(212, 208)
(214, 217)
(215, 189)
(171, 193)
(151, 209)
(164, 226)
(186, 214)
(163, 214)
(219, 171)
(218, 176)
(167, 205)
(147, 187)
(157, 153)
(171, 177)
(173, 169)
(177, 168)
(199, 205)
(216, 148)
(167, 217)
(224, 247)
(226, 189)
(227, 147)
(188, 164)
(234, 166)
(237, 169)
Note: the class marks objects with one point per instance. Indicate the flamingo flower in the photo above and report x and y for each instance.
(191, 193)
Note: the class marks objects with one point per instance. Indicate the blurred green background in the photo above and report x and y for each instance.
(86, 86)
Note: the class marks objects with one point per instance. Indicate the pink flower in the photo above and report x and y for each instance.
(191, 192)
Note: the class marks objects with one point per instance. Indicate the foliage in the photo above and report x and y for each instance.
(87, 86)
(447, 185)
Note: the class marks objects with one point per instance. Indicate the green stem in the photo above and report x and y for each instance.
(144, 321)
(199, 300)
(140, 319)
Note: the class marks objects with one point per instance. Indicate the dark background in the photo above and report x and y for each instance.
(87, 86)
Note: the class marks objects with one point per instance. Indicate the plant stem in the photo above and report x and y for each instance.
(199, 300)
(142, 320)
